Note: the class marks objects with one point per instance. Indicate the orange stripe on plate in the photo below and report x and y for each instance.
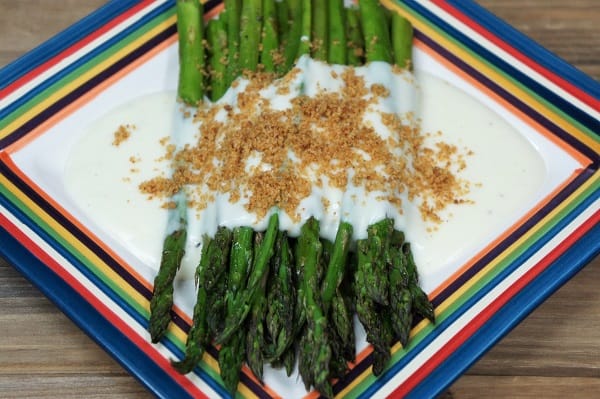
(506, 233)
(88, 96)
(214, 12)
(582, 159)
(15, 169)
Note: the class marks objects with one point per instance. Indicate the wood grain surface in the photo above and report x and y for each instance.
(553, 353)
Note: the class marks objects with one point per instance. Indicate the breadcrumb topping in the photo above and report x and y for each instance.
(122, 134)
(268, 157)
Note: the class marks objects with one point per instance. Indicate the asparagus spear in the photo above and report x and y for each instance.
(215, 254)
(218, 255)
(343, 326)
(355, 43)
(270, 38)
(281, 300)
(402, 34)
(254, 298)
(162, 296)
(233, 8)
(231, 360)
(400, 296)
(264, 252)
(245, 299)
(372, 259)
(319, 356)
(285, 330)
(250, 32)
(372, 291)
(255, 332)
(336, 48)
(217, 304)
(217, 39)
(337, 365)
(324, 260)
(421, 303)
(320, 32)
(283, 20)
(191, 51)
(305, 358)
(337, 263)
(372, 318)
(382, 341)
(294, 34)
(190, 90)
(289, 360)
(240, 261)
(306, 30)
(231, 354)
(375, 31)
(198, 336)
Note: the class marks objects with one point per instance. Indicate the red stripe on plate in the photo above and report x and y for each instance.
(104, 310)
(479, 320)
(556, 79)
(74, 48)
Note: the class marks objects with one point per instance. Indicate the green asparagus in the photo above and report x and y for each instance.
(255, 328)
(283, 20)
(270, 37)
(336, 47)
(421, 303)
(209, 272)
(402, 34)
(375, 31)
(320, 31)
(337, 263)
(306, 29)
(264, 296)
(400, 296)
(234, 10)
(231, 355)
(372, 260)
(244, 301)
(294, 35)
(317, 346)
(356, 43)
(162, 297)
(250, 34)
(217, 40)
(280, 300)
(191, 53)
(199, 335)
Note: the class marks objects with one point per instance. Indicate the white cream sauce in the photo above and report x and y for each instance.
(353, 205)
(100, 179)
(507, 166)
(506, 172)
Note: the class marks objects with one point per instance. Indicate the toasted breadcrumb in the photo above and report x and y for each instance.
(380, 90)
(122, 133)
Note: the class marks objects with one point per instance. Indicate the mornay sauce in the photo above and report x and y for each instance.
(505, 172)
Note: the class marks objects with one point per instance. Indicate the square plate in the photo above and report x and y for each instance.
(46, 96)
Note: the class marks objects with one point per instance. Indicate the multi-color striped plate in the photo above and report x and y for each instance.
(128, 48)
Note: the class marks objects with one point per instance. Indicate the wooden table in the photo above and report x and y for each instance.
(554, 353)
